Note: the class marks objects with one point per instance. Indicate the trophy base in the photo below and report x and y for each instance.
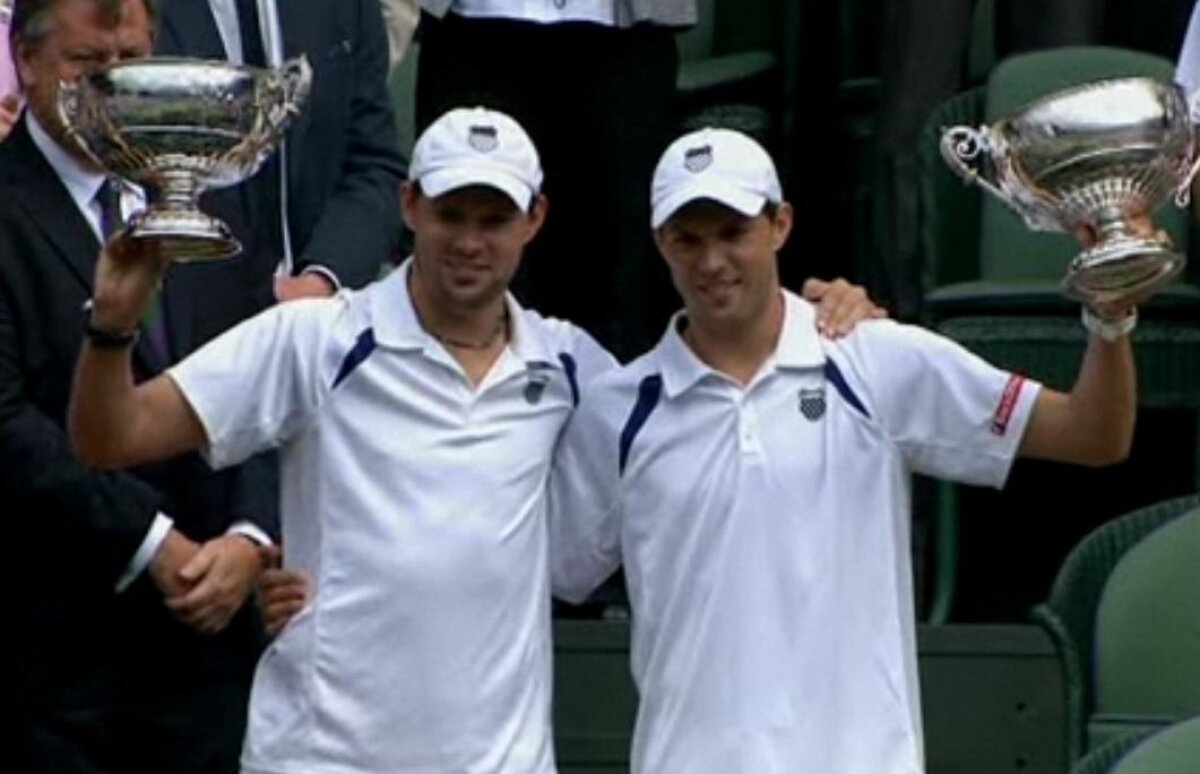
(186, 236)
(1123, 270)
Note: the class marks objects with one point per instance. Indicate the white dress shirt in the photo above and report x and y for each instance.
(543, 11)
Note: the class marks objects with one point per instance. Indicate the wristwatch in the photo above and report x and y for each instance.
(104, 338)
(1110, 330)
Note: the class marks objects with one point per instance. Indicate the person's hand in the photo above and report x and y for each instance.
(1139, 223)
(219, 577)
(311, 284)
(840, 306)
(128, 275)
(1088, 235)
(283, 594)
(10, 108)
(174, 552)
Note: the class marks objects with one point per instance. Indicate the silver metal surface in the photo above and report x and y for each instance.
(178, 127)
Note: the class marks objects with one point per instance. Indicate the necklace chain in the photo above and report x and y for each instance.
(499, 331)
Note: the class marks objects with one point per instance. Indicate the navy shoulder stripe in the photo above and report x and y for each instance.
(649, 392)
(835, 377)
(362, 349)
(569, 366)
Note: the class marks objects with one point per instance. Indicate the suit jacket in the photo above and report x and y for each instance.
(71, 529)
(343, 164)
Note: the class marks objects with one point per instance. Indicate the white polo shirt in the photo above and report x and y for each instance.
(765, 537)
(415, 503)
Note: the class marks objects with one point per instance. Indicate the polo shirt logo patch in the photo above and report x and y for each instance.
(535, 387)
(812, 403)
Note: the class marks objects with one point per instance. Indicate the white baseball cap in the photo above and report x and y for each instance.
(477, 146)
(719, 164)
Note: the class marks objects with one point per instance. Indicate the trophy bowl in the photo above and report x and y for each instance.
(178, 127)
(1092, 156)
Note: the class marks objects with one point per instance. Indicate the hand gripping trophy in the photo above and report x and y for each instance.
(1092, 156)
(178, 127)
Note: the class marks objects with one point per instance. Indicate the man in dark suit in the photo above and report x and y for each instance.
(134, 648)
(333, 219)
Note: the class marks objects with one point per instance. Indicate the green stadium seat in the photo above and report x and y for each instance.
(1070, 616)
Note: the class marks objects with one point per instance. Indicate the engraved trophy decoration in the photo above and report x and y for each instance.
(178, 127)
(1091, 155)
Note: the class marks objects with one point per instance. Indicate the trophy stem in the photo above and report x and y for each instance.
(176, 191)
(173, 220)
(1111, 225)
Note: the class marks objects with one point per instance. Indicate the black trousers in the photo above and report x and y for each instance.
(133, 726)
(599, 138)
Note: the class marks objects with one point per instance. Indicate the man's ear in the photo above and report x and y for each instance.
(409, 194)
(538, 209)
(781, 225)
(21, 56)
(660, 236)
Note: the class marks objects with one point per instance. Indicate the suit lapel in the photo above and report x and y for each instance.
(51, 208)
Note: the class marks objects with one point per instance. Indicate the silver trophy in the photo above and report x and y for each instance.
(1092, 156)
(178, 127)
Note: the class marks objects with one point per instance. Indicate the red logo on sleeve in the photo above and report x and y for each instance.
(1008, 402)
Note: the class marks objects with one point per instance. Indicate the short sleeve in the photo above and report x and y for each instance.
(257, 384)
(950, 413)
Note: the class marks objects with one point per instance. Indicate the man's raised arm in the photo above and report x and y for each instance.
(113, 422)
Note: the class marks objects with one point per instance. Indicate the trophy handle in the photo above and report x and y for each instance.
(962, 145)
(69, 104)
(293, 79)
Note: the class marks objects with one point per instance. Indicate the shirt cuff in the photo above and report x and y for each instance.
(325, 272)
(251, 530)
(158, 532)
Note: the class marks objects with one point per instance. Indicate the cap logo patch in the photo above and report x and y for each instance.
(698, 159)
(483, 138)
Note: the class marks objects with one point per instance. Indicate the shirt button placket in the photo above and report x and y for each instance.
(747, 429)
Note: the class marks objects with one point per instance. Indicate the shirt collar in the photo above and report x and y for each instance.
(81, 182)
(397, 325)
(799, 347)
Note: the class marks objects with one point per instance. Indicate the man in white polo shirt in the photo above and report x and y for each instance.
(754, 479)
(415, 422)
